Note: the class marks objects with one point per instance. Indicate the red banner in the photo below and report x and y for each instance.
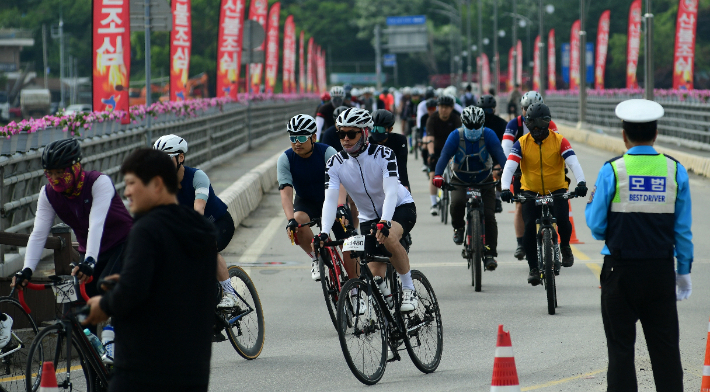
(301, 62)
(229, 50)
(111, 55)
(510, 70)
(309, 67)
(633, 43)
(272, 47)
(536, 65)
(288, 56)
(574, 59)
(602, 47)
(485, 73)
(257, 12)
(519, 67)
(180, 45)
(551, 65)
(684, 52)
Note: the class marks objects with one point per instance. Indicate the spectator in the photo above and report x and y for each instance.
(514, 102)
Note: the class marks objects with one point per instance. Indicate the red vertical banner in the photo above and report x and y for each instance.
(272, 47)
(309, 67)
(511, 83)
(301, 62)
(551, 65)
(257, 12)
(288, 58)
(602, 47)
(633, 43)
(229, 49)
(485, 72)
(684, 52)
(519, 63)
(574, 59)
(536, 65)
(111, 55)
(180, 45)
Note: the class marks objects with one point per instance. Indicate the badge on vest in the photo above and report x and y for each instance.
(647, 184)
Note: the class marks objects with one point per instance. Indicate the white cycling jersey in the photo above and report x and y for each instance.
(371, 180)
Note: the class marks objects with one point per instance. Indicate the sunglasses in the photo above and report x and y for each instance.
(538, 123)
(300, 138)
(379, 129)
(350, 134)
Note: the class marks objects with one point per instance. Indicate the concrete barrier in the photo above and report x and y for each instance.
(693, 163)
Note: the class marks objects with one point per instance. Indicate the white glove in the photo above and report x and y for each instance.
(683, 287)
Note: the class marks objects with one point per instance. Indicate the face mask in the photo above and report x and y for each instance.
(540, 134)
(379, 134)
(472, 134)
(337, 101)
(360, 146)
(70, 182)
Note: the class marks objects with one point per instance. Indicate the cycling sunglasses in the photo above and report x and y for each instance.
(350, 134)
(299, 138)
(538, 123)
(379, 129)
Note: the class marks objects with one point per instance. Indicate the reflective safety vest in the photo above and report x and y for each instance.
(641, 216)
(464, 163)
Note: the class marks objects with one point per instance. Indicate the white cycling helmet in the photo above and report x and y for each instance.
(302, 124)
(451, 90)
(354, 117)
(530, 98)
(473, 117)
(171, 144)
(337, 91)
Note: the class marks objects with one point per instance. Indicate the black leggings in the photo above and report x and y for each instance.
(531, 212)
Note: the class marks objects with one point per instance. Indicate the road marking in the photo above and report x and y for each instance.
(562, 381)
(257, 247)
(60, 370)
(579, 253)
(596, 269)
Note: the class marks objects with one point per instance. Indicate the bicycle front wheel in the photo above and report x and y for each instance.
(475, 249)
(425, 337)
(50, 345)
(548, 262)
(14, 353)
(362, 333)
(330, 281)
(246, 320)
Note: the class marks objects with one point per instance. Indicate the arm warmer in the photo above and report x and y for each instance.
(391, 188)
(102, 192)
(44, 218)
(573, 163)
(330, 205)
(201, 183)
(508, 171)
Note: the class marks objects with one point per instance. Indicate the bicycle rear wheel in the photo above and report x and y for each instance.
(475, 249)
(424, 337)
(14, 355)
(331, 282)
(445, 213)
(363, 337)
(50, 346)
(246, 330)
(548, 262)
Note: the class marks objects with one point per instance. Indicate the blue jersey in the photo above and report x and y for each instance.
(451, 150)
(305, 175)
(191, 190)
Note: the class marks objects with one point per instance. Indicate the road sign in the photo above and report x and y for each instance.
(565, 62)
(356, 78)
(407, 34)
(406, 20)
(257, 34)
(161, 17)
(390, 60)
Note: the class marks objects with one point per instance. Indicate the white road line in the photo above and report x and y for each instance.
(259, 245)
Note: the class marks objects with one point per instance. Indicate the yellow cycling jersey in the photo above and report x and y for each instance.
(543, 165)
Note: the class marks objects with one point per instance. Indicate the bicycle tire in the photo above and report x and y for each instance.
(445, 213)
(427, 313)
(548, 262)
(329, 283)
(249, 337)
(477, 251)
(14, 355)
(49, 345)
(350, 330)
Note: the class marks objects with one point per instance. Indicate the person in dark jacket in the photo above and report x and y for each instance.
(494, 122)
(168, 276)
(382, 134)
(330, 135)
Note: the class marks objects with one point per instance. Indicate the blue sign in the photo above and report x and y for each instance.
(406, 20)
(390, 60)
(590, 62)
(565, 62)
(356, 78)
(647, 184)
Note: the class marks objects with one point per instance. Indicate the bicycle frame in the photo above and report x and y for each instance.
(547, 222)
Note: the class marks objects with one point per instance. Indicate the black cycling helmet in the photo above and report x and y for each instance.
(431, 103)
(445, 100)
(486, 102)
(338, 110)
(537, 119)
(383, 118)
(429, 93)
(61, 154)
(538, 111)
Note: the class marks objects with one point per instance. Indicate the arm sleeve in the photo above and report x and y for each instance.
(598, 206)
(201, 183)
(102, 192)
(683, 223)
(332, 190)
(402, 154)
(449, 150)
(509, 136)
(42, 226)
(283, 172)
(329, 152)
(391, 188)
(571, 160)
(494, 148)
(511, 165)
(319, 124)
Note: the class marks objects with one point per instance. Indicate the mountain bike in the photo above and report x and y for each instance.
(474, 244)
(13, 355)
(367, 334)
(548, 250)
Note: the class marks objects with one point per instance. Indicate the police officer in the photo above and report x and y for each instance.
(641, 208)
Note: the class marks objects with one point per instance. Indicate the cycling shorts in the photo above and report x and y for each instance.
(314, 211)
(405, 215)
(225, 231)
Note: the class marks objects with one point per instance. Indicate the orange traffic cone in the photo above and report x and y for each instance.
(49, 378)
(505, 375)
(705, 385)
(573, 238)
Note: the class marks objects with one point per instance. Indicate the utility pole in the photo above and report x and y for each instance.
(496, 58)
(148, 89)
(44, 54)
(378, 57)
(61, 59)
(469, 68)
(480, 48)
(542, 55)
(648, 49)
(515, 46)
(582, 65)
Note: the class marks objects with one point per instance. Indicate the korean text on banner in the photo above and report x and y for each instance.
(288, 56)
(229, 50)
(602, 47)
(301, 62)
(551, 65)
(536, 65)
(180, 45)
(574, 58)
(684, 52)
(111, 55)
(272, 47)
(633, 43)
(519, 62)
(257, 12)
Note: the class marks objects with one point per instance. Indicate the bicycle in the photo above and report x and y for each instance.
(444, 198)
(381, 325)
(548, 250)
(13, 355)
(475, 238)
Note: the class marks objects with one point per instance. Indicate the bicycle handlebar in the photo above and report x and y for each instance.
(482, 185)
(40, 287)
(564, 196)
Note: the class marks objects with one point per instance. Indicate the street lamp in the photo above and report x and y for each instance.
(486, 41)
(501, 33)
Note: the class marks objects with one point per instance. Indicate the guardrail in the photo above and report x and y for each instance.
(213, 137)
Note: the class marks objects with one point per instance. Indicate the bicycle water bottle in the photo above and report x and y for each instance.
(95, 342)
(385, 291)
(107, 336)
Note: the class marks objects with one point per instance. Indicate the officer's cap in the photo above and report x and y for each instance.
(639, 111)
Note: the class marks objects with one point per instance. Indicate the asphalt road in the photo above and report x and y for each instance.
(564, 352)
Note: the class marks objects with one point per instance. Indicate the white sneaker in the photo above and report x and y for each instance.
(409, 301)
(434, 210)
(228, 301)
(5, 330)
(359, 304)
(315, 271)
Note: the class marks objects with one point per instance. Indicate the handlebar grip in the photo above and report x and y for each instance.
(21, 296)
(82, 290)
(380, 226)
(35, 286)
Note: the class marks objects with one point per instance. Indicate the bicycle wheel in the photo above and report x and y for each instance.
(445, 213)
(363, 338)
(476, 250)
(13, 356)
(246, 331)
(330, 282)
(50, 346)
(424, 337)
(548, 262)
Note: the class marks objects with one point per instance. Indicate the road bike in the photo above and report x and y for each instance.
(474, 245)
(367, 334)
(548, 250)
(444, 198)
(13, 355)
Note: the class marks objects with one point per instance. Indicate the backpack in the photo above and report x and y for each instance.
(521, 129)
(461, 165)
(469, 100)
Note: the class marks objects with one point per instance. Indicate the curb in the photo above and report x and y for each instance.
(693, 163)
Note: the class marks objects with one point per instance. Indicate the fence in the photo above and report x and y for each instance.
(213, 137)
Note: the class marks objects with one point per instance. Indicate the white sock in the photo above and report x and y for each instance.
(406, 280)
(433, 199)
(227, 286)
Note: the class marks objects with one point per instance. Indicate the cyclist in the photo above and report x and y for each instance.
(498, 125)
(298, 169)
(330, 135)
(422, 108)
(87, 201)
(468, 99)
(473, 149)
(325, 98)
(381, 134)
(430, 106)
(368, 172)
(195, 191)
(542, 155)
(324, 117)
(438, 127)
(514, 131)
